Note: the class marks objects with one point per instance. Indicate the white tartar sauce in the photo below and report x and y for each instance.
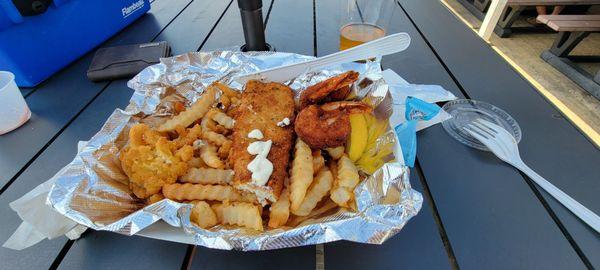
(284, 122)
(260, 166)
(255, 134)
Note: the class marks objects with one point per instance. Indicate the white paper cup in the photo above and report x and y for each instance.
(13, 109)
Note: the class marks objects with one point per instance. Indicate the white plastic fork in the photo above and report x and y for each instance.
(504, 145)
(379, 47)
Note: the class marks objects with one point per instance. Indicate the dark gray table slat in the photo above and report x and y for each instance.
(62, 96)
(420, 236)
(107, 250)
(290, 27)
(551, 145)
(291, 258)
(64, 148)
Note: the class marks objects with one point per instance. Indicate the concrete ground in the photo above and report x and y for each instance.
(522, 50)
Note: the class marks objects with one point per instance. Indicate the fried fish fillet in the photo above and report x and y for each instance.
(263, 106)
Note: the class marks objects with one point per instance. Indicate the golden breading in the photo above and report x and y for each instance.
(262, 106)
(149, 167)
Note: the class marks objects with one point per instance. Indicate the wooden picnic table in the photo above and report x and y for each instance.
(478, 212)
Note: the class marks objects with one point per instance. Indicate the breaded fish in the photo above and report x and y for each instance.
(263, 106)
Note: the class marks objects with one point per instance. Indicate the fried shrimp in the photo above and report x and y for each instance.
(332, 89)
(327, 125)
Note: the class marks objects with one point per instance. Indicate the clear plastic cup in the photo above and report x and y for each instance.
(13, 109)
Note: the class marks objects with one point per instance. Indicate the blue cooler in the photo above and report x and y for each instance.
(39, 37)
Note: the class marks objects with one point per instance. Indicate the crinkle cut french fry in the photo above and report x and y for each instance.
(221, 118)
(336, 152)
(193, 113)
(241, 214)
(228, 91)
(203, 215)
(208, 153)
(214, 138)
(155, 198)
(302, 173)
(347, 173)
(196, 162)
(317, 191)
(190, 192)
(207, 176)
(341, 196)
(280, 210)
(346, 179)
(318, 161)
(327, 206)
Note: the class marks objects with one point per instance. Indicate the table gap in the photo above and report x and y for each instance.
(436, 216)
(214, 26)
(63, 252)
(268, 14)
(560, 225)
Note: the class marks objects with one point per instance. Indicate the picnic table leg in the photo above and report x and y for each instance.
(491, 18)
(482, 5)
(508, 17)
(565, 42)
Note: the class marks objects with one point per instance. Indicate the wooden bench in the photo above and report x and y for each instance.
(504, 13)
(572, 29)
(515, 7)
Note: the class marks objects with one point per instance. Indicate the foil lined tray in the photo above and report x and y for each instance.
(93, 190)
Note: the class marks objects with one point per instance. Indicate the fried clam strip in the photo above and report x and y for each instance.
(302, 173)
(203, 215)
(345, 182)
(190, 192)
(187, 136)
(280, 210)
(317, 191)
(193, 113)
(207, 176)
(241, 214)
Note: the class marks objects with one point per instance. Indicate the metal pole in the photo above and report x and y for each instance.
(252, 21)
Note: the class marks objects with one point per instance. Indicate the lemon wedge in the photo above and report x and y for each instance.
(357, 141)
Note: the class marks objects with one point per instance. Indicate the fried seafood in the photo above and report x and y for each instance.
(258, 110)
(327, 125)
(333, 89)
(150, 166)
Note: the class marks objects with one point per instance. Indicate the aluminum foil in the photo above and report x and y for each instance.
(93, 191)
